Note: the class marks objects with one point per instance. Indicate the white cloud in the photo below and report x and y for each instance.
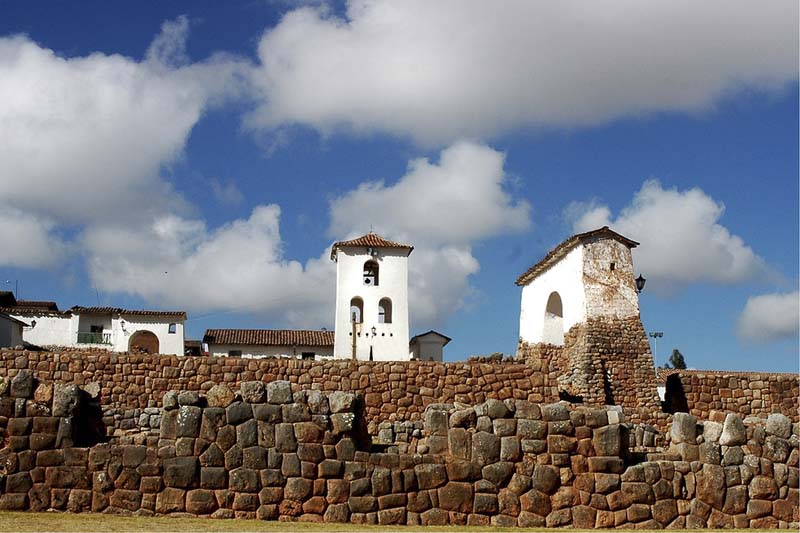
(681, 238)
(440, 71)
(239, 267)
(226, 192)
(770, 317)
(28, 240)
(442, 208)
(85, 138)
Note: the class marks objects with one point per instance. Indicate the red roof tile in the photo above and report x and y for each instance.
(270, 337)
(561, 250)
(370, 240)
(131, 312)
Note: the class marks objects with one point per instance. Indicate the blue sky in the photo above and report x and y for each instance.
(204, 156)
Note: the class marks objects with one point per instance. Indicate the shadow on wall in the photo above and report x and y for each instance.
(674, 396)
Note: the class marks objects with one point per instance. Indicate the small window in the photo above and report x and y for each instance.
(309, 356)
(234, 353)
(357, 310)
(173, 327)
(371, 273)
(385, 311)
(613, 266)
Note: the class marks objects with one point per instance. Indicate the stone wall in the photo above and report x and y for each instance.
(747, 393)
(270, 452)
(604, 361)
(130, 383)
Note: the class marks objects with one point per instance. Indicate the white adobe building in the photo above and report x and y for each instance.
(110, 328)
(428, 346)
(278, 343)
(371, 321)
(10, 331)
(589, 275)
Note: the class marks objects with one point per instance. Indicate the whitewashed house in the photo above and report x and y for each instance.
(10, 331)
(111, 328)
(589, 275)
(280, 343)
(428, 346)
(371, 321)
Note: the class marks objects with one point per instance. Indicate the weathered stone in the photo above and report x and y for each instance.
(298, 488)
(510, 449)
(188, 421)
(565, 497)
(188, 398)
(637, 492)
(555, 411)
(180, 472)
(684, 428)
(776, 449)
(763, 488)
(279, 392)
(22, 384)
(295, 412)
(456, 496)
(485, 448)
(66, 398)
(710, 453)
(253, 391)
(342, 423)
(711, 485)
(285, 440)
(341, 402)
(430, 476)
(201, 502)
(712, 431)
(531, 429)
(363, 504)
(220, 395)
(583, 517)
(238, 412)
(733, 431)
(545, 479)
(665, 511)
(244, 480)
(779, 425)
(607, 440)
(463, 418)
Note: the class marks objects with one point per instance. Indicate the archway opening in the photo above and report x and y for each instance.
(357, 310)
(385, 311)
(371, 273)
(553, 327)
(143, 341)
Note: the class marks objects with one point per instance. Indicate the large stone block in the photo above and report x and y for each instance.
(180, 472)
(733, 431)
(220, 395)
(607, 440)
(485, 448)
(201, 502)
(545, 479)
(22, 384)
(279, 392)
(66, 398)
(711, 485)
(238, 412)
(244, 480)
(684, 428)
(456, 496)
(430, 476)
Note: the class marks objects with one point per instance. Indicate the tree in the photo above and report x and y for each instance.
(676, 360)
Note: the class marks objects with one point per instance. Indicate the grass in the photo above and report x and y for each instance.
(15, 522)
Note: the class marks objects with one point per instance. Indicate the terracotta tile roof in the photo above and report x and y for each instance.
(38, 304)
(562, 249)
(664, 373)
(33, 311)
(445, 337)
(370, 240)
(270, 337)
(119, 311)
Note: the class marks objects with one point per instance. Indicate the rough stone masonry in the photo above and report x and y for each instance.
(276, 452)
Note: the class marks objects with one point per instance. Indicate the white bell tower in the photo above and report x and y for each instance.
(371, 299)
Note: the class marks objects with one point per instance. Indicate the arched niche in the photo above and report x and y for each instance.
(553, 326)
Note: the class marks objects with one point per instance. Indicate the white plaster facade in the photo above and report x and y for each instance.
(593, 276)
(389, 342)
(10, 331)
(104, 329)
(258, 351)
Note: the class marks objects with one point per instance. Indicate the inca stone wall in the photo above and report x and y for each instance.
(604, 361)
(747, 393)
(130, 383)
(270, 452)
